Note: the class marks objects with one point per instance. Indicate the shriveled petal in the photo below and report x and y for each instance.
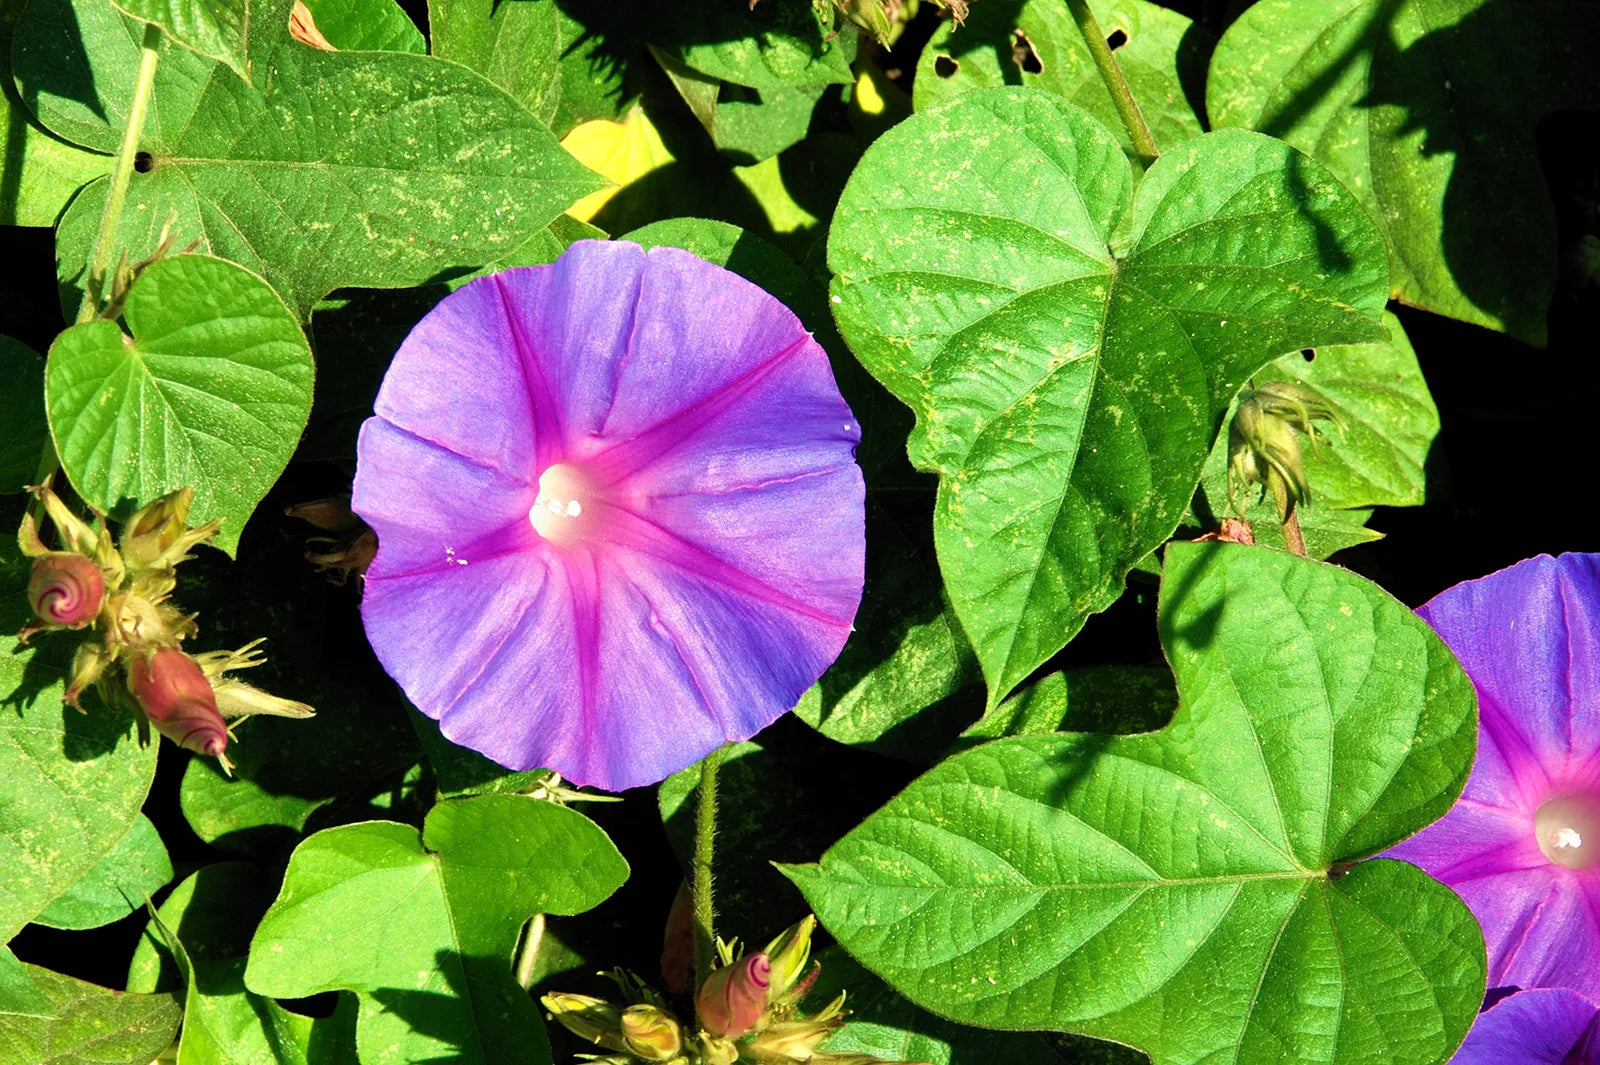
(1547, 1027)
(431, 508)
(1541, 927)
(1526, 636)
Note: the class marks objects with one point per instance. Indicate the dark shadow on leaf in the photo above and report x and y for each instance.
(484, 1008)
(54, 62)
(1199, 631)
(1331, 255)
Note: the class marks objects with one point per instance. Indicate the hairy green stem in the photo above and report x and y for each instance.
(121, 174)
(1111, 73)
(705, 831)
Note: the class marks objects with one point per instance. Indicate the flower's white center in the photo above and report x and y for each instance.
(558, 512)
(1568, 829)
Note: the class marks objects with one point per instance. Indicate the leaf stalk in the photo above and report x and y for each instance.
(1116, 84)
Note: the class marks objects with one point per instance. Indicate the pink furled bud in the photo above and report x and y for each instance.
(177, 698)
(66, 589)
(734, 997)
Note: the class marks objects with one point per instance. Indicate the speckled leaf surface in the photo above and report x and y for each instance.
(1428, 110)
(518, 46)
(367, 26)
(1070, 344)
(1036, 43)
(211, 392)
(71, 783)
(378, 169)
(135, 869)
(451, 900)
(91, 1025)
(216, 29)
(1187, 891)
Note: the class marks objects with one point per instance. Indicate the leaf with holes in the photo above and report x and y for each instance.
(1428, 110)
(1189, 891)
(1036, 43)
(211, 391)
(1069, 344)
(437, 985)
(379, 169)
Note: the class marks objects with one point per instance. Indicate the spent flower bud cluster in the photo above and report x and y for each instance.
(748, 1010)
(119, 591)
(1264, 441)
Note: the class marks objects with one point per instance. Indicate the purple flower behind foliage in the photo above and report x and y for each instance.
(1546, 1027)
(618, 512)
(1522, 845)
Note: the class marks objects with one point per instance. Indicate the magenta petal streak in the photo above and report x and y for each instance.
(1522, 845)
(619, 516)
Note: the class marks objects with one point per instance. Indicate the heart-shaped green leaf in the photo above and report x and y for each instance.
(1070, 345)
(90, 1025)
(437, 984)
(1187, 891)
(136, 868)
(211, 391)
(376, 169)
(1036, 43)
(1428, 110)
(71, 783)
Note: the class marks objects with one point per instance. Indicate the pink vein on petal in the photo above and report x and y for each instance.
(644, 449)
(549, 427)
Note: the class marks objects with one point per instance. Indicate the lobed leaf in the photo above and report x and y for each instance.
(1069, 344)
(1188, 891)
(437, 981)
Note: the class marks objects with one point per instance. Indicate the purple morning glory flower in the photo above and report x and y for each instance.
(618, 513)
(1522, 845)
(1546, 1027)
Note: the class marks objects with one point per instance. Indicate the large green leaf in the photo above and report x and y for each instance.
(91, 1025)
(518, 46)
(71, 783)
(1189, 891)
(1069, 344)
(883, 1024)
(41, 172)
(211, 392)
(767, 47)
(437, 983)
(1036, 43)
(378, 169)
(217, 29)
(136, 868)
(1428, 109)
(24, 432)
(198, 941)
(367, 26)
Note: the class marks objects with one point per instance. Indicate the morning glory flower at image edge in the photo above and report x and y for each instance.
(619, 516)
(1522, 844)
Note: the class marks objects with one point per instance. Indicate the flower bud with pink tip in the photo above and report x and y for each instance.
(733, 998)
(66, 589)
(175, 695)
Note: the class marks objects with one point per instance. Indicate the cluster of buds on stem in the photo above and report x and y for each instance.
(118, 592)
(748, 1010)
(1264, 441)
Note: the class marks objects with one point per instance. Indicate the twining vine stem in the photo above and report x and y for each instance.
(705, 828)
(105, 240)
(1111, 73)
(121, 174)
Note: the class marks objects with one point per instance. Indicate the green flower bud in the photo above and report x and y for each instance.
(651, 1033)
(589, 1018)
(788, 955)
(1264, 441)
(158, 536)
